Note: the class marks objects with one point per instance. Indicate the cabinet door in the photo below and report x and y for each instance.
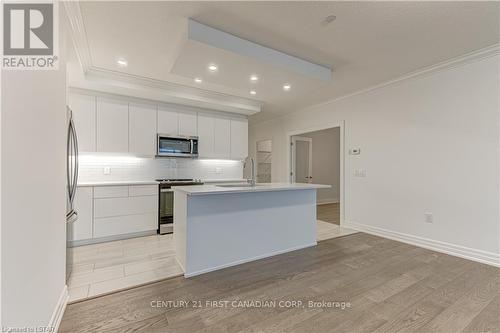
(112, 125)
(188, 124)
(168, 122)
(206, 131)
(142, 129)
(222, 138)
(84, 116)
(82, 227)
(239, 139)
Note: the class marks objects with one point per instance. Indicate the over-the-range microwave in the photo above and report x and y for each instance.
(176, 146)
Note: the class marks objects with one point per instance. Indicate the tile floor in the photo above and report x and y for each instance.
(104, 268)
(107, 267)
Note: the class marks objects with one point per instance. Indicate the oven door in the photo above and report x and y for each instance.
(177, 146)
(166, 218)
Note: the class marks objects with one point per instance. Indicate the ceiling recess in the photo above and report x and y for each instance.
(217, 38)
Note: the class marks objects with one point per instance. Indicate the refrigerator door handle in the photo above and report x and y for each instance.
(76, 166)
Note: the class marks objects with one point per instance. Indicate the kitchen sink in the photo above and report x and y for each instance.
(238, 185)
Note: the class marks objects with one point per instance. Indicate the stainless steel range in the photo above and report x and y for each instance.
(166, 204)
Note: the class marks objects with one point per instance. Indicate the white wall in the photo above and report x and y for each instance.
(429, 143)
(33, 155)
(326, 162)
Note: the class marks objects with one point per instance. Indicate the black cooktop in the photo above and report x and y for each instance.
(179, 181)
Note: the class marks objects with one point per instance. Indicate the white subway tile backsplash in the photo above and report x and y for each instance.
(133, 168)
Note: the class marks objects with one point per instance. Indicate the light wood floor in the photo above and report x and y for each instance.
(329, 213)
(389, 287)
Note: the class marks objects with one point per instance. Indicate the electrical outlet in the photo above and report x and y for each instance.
(107, 170)
(429, 218)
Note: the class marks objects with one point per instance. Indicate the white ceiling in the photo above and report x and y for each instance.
(368, 43)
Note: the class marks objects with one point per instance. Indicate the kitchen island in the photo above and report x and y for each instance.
(217, 226)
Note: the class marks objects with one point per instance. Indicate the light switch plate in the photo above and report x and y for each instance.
(107, 170)
(355, 151)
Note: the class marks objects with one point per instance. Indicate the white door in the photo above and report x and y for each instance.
(301, 160)
(142, 129)
(112, 125)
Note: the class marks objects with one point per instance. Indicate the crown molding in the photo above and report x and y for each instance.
(78, 34)
(110, 81)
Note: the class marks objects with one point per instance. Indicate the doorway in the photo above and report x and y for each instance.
(302, 159)
(317, 156)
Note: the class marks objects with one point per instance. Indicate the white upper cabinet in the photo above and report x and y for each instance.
(112, 125)
(206, 136)
(222, 138)
(105, 124)
(168, 121)
(239, 139)
(188, 124)
(176, 123)
(214, 135)
(84, 117)
(142, 129)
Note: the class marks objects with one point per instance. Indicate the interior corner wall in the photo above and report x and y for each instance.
(33, 195)
(429, 144)
(326, 162)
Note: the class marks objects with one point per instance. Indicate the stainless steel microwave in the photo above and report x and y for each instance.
(177, 146)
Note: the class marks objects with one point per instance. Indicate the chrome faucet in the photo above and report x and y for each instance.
(252, 180)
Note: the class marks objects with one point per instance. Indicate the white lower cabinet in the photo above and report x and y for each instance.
(114, 211)
(82, 228)
(119, 225)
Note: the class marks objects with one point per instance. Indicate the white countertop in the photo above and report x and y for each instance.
(118, 183)
(264, 187)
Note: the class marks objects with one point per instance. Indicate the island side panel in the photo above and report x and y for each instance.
(229, 229)
(180, 227)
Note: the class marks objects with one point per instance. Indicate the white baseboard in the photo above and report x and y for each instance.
(485, 257)
(239, 262)
(58, 313)
(327, 201)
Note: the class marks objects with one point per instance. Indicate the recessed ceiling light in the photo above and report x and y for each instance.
(254, 78)
(287, 87)
(253, 92)
(122, 62)
(198, 80)
(212, 67)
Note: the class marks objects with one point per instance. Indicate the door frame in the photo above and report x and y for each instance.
(341, 125)
(293, 152)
